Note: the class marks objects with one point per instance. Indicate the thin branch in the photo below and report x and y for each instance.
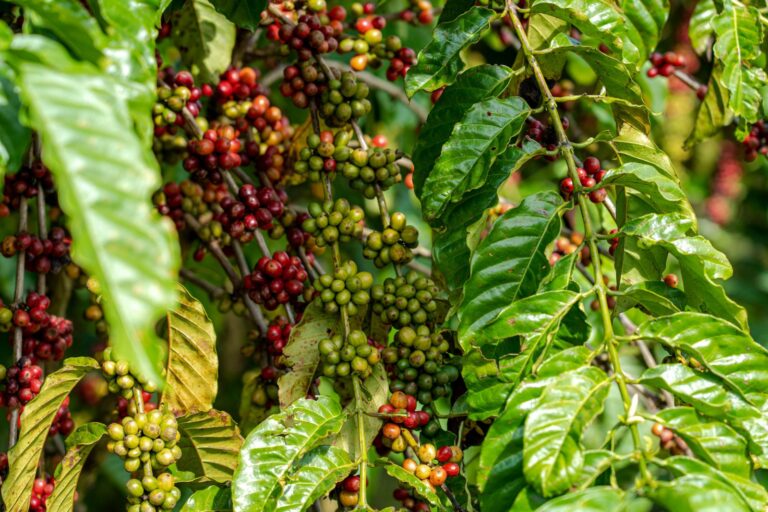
(215, 249)
(42, 232)
(215, 292)
(18, 293)
(448, 492)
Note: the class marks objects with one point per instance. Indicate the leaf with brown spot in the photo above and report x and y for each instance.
(79, 444)
(192, 368)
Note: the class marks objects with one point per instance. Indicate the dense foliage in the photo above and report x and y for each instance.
(225, 287)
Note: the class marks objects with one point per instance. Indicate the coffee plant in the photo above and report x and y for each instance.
(276, 255)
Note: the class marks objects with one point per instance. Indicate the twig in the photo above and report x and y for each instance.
(215, 249)
(215, 292)
(13, 432)
(456, 505)
(42, 232)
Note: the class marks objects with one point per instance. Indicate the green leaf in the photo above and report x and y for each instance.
(700, 265)
(79, 444)
(473, 86)
(510, 262)
(724, 349)
(552, 452)
(271, 450)
(244, 13)
(375, 391)
(211, 499)
(440, 61)
(707, 395)
(483, 133)
(596, 499)
(561, 275)
(301, 354)
(655, 297)
(206, 37)
(713, 112)
(193, 367)
(542, 28)
(397, 472)
(750, 492)
(596, 462)
(696, 493)
(710, 440)
(453, 9)
(14, 137)
(648, 18)
(489, 382)
(118, 237)
(700, 28)
(211, 443)
(317, 474)
(36, 419)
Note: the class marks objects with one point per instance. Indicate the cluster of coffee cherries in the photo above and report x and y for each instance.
(674, 444)
(23, 382)
(589, 176)
(568, 245)
(312, 34)
(416, 364)
(276, 280)
(41, 255)
(265, 390)
(544, 134)
(757, 141)
(218, 149)
(277, 335)
(613, 243)
(344, 98)
(44, 336)
(394, 244)
(177, 199)
(345, 288)
(173, 96)
(120, 380)
(302, 82)
(334, 221)
(366, 170)
(254, 208)
(152, 493)
(323, 154)
(25, 183)
(42, 489)
(349, 491)
(434, 466)
(418, 11)
(145, 437)
(405, 300)
(355, 355)
(403, 415)
(665, 64)
(62, 422)
(409, 501)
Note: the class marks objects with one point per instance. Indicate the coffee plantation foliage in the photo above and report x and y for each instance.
(320, 255)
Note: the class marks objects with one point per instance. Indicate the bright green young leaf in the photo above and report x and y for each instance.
(318, 472)
(440, 61)
(700, 28)
(118, 237)
(709, 440)
(510, 262)
(633, 145)
(267, 458)
(193, 366)
(79, 444)
(397, 472)
(206, 35)
(14, 137)
(552, 452)
(35, 421)
(243, 13)
(596, 499)
(301, 355)
(211, 443)
(697, 493)
(211, 499)
(654, 297)
(471, 87)
(724, 349)
(476, 140)
(542, 28)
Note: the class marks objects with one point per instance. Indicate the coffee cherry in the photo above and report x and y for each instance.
(405, 301)
(341, 357)
(334, 221)
(671, 280)
(393, 245)
(276, 280)
(451, 469)
(345, 98)
(346, 287)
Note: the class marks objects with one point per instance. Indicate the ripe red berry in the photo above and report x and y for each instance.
(591, 165)
(671, 280)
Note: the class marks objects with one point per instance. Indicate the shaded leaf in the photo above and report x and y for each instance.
(714, 112)
(654, 297)
(14, 137)
(193, 366)
(36, 419)
(317, 474)
(243, 13)
(211, 499)
(596, 499)
(79, 446)
(211, 442)
(700, 28)
(375, 391)
(206, 38)
(439, 61)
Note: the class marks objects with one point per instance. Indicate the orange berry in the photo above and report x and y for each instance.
(438, 476)
(359, 62)
(409, 180)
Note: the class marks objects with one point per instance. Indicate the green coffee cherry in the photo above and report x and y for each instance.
(404, 301)
(334, 222)
(344, 99)
(346, 287)
(394, 244)
(353, 356)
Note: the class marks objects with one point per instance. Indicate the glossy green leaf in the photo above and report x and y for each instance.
(79, 446)
(193, 367)
(484, 132)
(397, 472)
(707, 394)
(453, 9)
(709, 440)
(654, 297)
(211, 442)
(750, 492)
(301, 355)
(471, 87)
(552, 452)
(596, 499)
(243, 13)
(510, 262)
(118, 237)
(271, 450)
(35, 421)
(648, 18)
(596, 462)
(489, 382)
(713, 112)
(561, 275)
(724, 349)
(211, 499)
(317, 474)
(634, 145)
(542, 28)
(700, 28)
(440, 61)
(14, 137)
(739, 35)
(697, 493)
(206, 35)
